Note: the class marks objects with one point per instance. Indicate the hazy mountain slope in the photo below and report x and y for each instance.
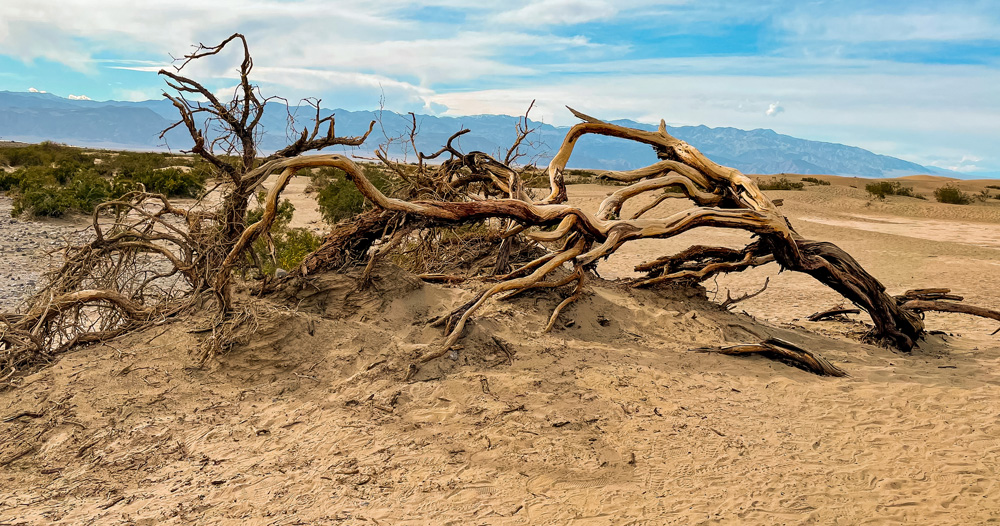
(41, 116)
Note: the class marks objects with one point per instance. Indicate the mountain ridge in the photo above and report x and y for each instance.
(36, 116)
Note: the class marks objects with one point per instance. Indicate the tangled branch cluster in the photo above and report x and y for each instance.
(150, 260)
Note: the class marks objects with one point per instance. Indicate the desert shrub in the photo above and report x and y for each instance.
(535, 178)
(985, 194)
(993, 186)
(951, 194)
(43, 191)
(172, 182)
(338, 198)
(42, 154)
(780, 184)
(10, 180)
(291, 245)
(816, 181)
(281, 218)
(881, 189)
(157, 172)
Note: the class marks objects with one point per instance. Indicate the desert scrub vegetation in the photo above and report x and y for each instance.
(782, 183)
(52, 180)
(52, 192)
(881, 189)
(534, 178)
(815, 181)
(951, 194)
(337, 196)
(42, 154)
(287, 246)
(157, 173)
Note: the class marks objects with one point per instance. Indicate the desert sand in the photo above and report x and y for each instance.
(609, 419)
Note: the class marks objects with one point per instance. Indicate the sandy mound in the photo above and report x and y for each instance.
(607, 420)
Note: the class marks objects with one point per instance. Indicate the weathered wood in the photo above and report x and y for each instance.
(830, 313)
(947, 306)
(785, 350)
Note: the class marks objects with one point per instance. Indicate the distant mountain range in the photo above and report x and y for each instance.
(35, 117)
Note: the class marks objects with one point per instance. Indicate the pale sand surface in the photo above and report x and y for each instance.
(608, 421)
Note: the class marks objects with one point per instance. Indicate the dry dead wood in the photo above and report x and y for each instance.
(946, 306)
(832, 313)
(783, 350)
(723, 197)
(155, 260)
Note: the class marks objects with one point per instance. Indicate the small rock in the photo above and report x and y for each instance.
(280, 273)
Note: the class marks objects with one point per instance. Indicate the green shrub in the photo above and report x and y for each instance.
(291, 245)
(10, 180)
(281, 218)
(780, 184)
(952, 195)
(815, 181)
(54, 179)
(43, 191)
(881, 189)
(42, 154)
(338, 198)
(157, 172)
(535, 179)
(172, 182)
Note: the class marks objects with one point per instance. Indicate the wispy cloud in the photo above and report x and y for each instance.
(878, 27)
(558, 12)
(892, 75)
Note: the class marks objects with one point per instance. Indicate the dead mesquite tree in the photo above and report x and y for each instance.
(233, 151)
(148, 258)
(723, 197)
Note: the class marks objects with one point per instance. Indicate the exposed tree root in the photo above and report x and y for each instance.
(784, 350)
(945, 306)
(832, 313)
(577, 292)
(730, 301)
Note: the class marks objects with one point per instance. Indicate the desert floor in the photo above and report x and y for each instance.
(609, 419)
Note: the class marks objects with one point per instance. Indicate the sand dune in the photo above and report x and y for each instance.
(609, 419)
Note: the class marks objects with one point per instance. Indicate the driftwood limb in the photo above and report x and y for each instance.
(730, 301)
(831, 313)
(928, 294)
(945, 306)
(784, 350)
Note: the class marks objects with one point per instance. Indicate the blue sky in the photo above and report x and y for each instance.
(913, 79)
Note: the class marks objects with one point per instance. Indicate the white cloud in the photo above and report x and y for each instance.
(964, 165)
(495, 58)
(874, 27)
(135, 95)
(557, 12)
(77, 97)
(32, 90)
